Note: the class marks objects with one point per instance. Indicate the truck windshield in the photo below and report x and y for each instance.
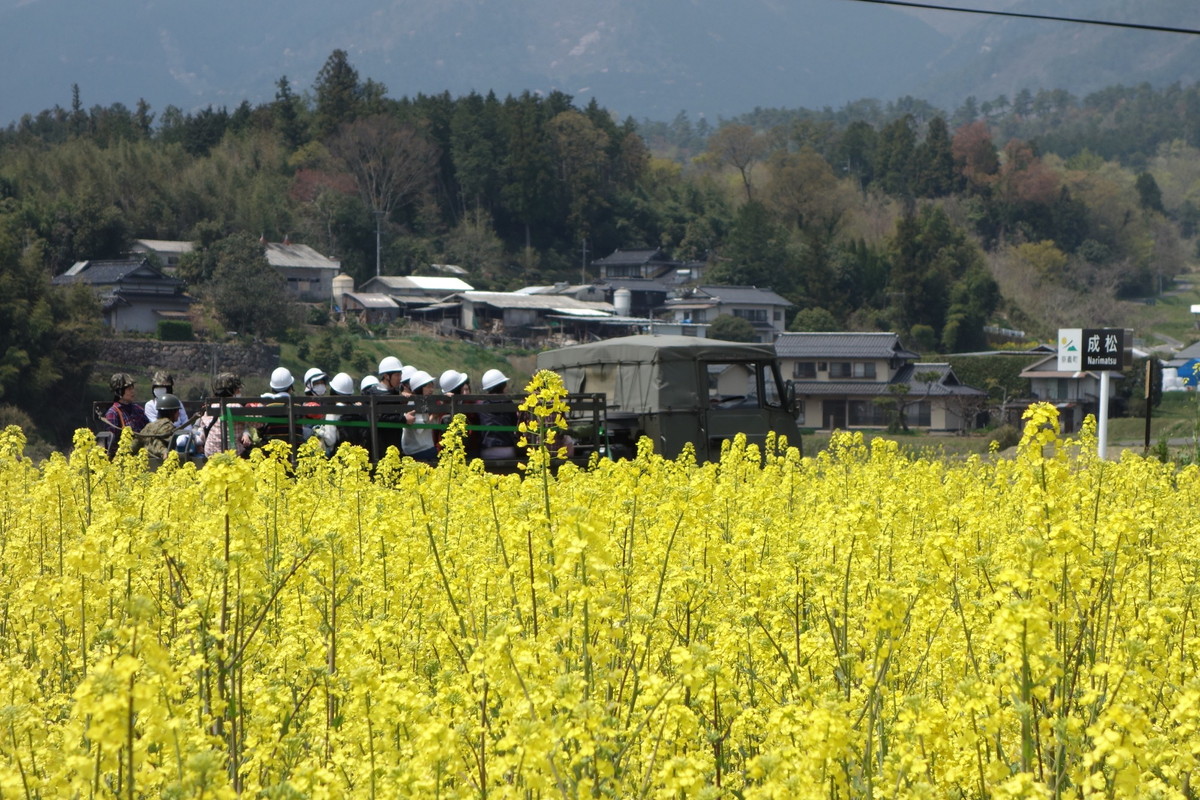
(742, 384)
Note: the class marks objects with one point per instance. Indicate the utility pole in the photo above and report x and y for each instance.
(378, 221)
(583, 263)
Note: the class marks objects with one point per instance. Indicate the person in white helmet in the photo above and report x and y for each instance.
(282, 380)
(339, 386)
(499, 436)
(281, 383)
(405, 374)
(417, 441)
(316, 384)
(454, 383)
(390, 370)
(343, 384)
(390, 380)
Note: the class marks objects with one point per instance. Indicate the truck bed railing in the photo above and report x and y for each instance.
(378, 418)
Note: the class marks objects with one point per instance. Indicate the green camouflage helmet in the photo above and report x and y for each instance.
(163, 378)
(169, 402)
(119, 382)
(227, 384)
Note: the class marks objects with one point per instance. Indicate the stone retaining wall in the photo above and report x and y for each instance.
(206, 358)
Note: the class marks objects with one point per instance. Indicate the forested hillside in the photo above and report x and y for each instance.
(1024, 213)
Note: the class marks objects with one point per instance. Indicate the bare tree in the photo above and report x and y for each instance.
(391, 163)
(739, 147)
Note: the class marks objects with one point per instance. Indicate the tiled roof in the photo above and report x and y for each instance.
(113, 272)
(1048, 368)
(841, 388)
(631, 257)
(842, 345)
(945, 385)
(745, 294)
(939, 388)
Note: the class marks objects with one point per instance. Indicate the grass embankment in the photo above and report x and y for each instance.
(1176, 420)
(913, 444)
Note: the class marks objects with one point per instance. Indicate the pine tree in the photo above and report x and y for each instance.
(895, 158)
(339, 94)
(935, 175)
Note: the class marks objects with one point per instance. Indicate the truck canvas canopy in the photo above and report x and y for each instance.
(649, 373)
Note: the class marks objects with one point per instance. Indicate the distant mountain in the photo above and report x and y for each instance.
(1002, 55)
(645, 59)
(652, 59)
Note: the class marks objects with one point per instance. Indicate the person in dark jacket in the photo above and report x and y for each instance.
(501, 443)
(124, 412)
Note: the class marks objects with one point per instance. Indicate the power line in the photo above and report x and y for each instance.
(1104, 22)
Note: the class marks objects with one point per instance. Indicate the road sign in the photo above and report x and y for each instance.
(1106, 348)
(1070, 347)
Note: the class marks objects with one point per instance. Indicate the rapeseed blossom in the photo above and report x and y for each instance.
(858, 624)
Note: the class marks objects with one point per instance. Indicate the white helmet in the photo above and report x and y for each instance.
(491, 379)
(452, 379)
(367, 382)
(419, 379)
(390, 364)
(406, 373)
(312, 376)
(281, 379)
(342, 384)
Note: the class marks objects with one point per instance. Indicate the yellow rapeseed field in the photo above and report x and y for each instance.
(860, 624)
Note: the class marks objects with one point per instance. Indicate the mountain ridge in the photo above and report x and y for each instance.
(643, 60)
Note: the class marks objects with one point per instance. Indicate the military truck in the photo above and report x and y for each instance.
(673, 389)
(680, 389)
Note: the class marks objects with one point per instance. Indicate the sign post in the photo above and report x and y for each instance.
(1104, 350)
(1070, 349)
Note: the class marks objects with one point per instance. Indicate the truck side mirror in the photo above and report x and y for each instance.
(789, 400)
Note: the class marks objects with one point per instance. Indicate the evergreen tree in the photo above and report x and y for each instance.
(755, 253)
(895, 157)
(339, 95)
(143, 118)
(967, 113)
(935, 174)
(1149, 195)
(287, 114)
(475, 150)
(729, 328)
(580, 147)
(527, 193)
(248, 294)
(46, 333)
(938, 278)
(855, 152)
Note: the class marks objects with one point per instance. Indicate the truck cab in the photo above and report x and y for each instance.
(680, 389)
